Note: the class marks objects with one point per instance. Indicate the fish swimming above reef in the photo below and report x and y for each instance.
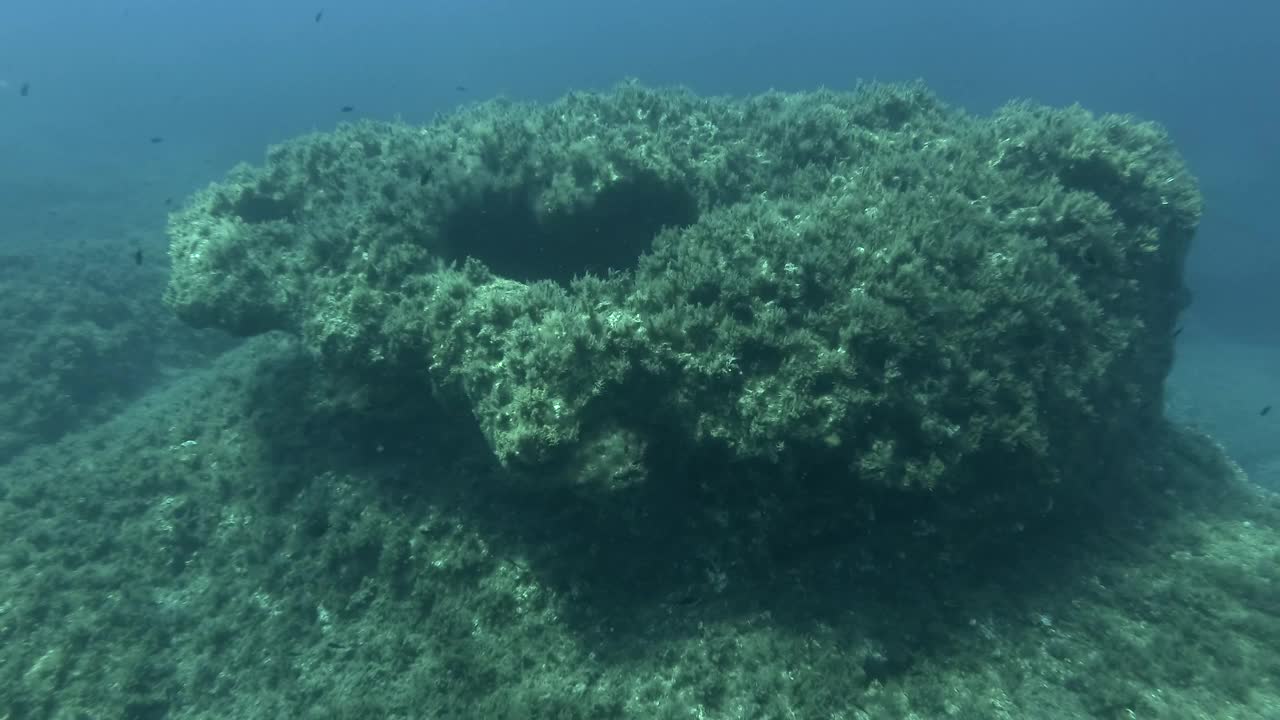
(24, 89)
(347, 108)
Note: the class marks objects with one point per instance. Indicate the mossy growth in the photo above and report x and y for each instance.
(79, 349)
(211, 552)
(870, 281)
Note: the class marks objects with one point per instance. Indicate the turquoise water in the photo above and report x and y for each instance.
(608, 401)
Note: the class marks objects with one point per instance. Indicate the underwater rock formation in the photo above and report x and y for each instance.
(871, 284)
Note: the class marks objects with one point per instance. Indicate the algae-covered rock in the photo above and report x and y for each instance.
(870, 283)
(81, 339)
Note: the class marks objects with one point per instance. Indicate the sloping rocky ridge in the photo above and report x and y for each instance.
(215, 551)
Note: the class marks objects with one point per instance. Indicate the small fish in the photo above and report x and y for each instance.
(1177, 331)
(347, 108)
(137, 256)
(460, 88)
(24, 89)
(1265, 410)
(168, 201)
(156, 139)
(319, 16)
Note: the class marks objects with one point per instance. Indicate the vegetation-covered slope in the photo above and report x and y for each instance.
(228, 549)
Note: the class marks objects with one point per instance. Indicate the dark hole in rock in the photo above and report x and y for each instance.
(502, 231)
(257, 207)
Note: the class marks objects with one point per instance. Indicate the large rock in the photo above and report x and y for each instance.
(865, 283)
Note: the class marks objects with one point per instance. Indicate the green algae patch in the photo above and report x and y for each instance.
(82, 337)
(870, 283)
(213, 552)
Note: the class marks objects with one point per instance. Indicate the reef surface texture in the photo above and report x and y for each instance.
(869, 283)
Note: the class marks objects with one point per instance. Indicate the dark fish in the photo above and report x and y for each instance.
(1177, 331)
(1265, 410)
(319, 16)
(24, 89)
(168, 201)
(137, 256)
(156, 140)
(460, 88)
(347, 108)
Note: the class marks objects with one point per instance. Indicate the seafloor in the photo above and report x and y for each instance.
(199, 555)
